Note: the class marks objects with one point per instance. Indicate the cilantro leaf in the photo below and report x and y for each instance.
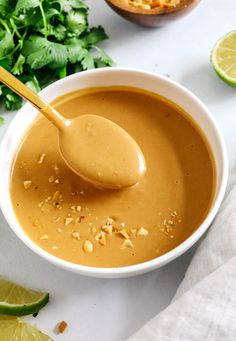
(76, 22)
(6, 7)
(6, 63)
(58, 32)
(88, 61)
(94, 36)
(25, 5)
(67, 5)
(43, 40)
(6, 43)
(33, 84)
(1, 120)
(11, 100)
(18, 67)
(41, 52)
(76, 51)
(104, 58)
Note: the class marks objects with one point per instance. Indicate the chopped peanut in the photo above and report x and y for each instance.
(75, 235)
(44, 237)
(27, 184)
(51, 179)
(68, 221)
(142, 232)
(107, 228)
(62, 327)
(88, 246)
(124, 234)
(41, 158)
(151, 4)
(127, 244)
(102, 240)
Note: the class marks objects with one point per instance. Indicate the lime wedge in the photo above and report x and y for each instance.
(18, 301)
(223, 58)
(13, 329)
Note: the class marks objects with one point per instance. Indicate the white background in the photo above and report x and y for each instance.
(111, 310)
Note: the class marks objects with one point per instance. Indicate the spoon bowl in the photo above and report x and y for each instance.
(108, 156)
(95, 148)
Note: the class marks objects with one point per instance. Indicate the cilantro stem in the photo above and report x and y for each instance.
(4, 24)
(19, 45)
(44, 19)
(15, 30)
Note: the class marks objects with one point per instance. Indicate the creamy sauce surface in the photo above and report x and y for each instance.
(72, 219)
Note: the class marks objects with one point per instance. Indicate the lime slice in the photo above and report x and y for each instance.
(223, 58)
(18, 301)
(13, 329)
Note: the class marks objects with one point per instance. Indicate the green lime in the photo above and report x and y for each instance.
(12, 328)
(223, 58)
(18, 301)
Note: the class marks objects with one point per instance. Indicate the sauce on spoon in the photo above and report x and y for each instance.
(95, 148)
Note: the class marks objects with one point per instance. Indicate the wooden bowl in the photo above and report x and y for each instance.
(155, 17)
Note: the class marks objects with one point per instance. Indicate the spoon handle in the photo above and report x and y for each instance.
(23, 91)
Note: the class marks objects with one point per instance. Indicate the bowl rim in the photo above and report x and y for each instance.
(131, 270)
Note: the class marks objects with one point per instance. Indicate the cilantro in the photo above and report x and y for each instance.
(1, 120)
(44, 40)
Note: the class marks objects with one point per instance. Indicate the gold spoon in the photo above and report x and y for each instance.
(95, 148)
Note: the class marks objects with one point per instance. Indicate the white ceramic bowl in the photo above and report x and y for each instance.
(106, 77)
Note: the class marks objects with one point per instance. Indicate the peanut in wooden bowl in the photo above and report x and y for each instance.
(154, 16)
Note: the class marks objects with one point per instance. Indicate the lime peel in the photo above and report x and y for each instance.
(223, 58)
(18, 301)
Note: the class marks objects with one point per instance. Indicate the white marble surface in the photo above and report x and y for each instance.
(111, 310)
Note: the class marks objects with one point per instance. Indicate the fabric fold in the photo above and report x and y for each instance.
(204, 307)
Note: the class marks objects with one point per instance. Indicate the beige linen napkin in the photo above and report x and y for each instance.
(204, 307)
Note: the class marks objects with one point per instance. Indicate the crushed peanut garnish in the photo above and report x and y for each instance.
(62, 327)
(41, 158)
(124, 234)
(151, 4)
(75, 235)
(88, 246)
(57, 219)
(127, 244)
(79, 219)
(27, 184)
(109, 221)
(59, 229)
(133, 232)
(55, 247)
(44, 237)
(102, 240)
(68, 221)
(99, 235)
(142, 232)
(51, 179)
(107, 228)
